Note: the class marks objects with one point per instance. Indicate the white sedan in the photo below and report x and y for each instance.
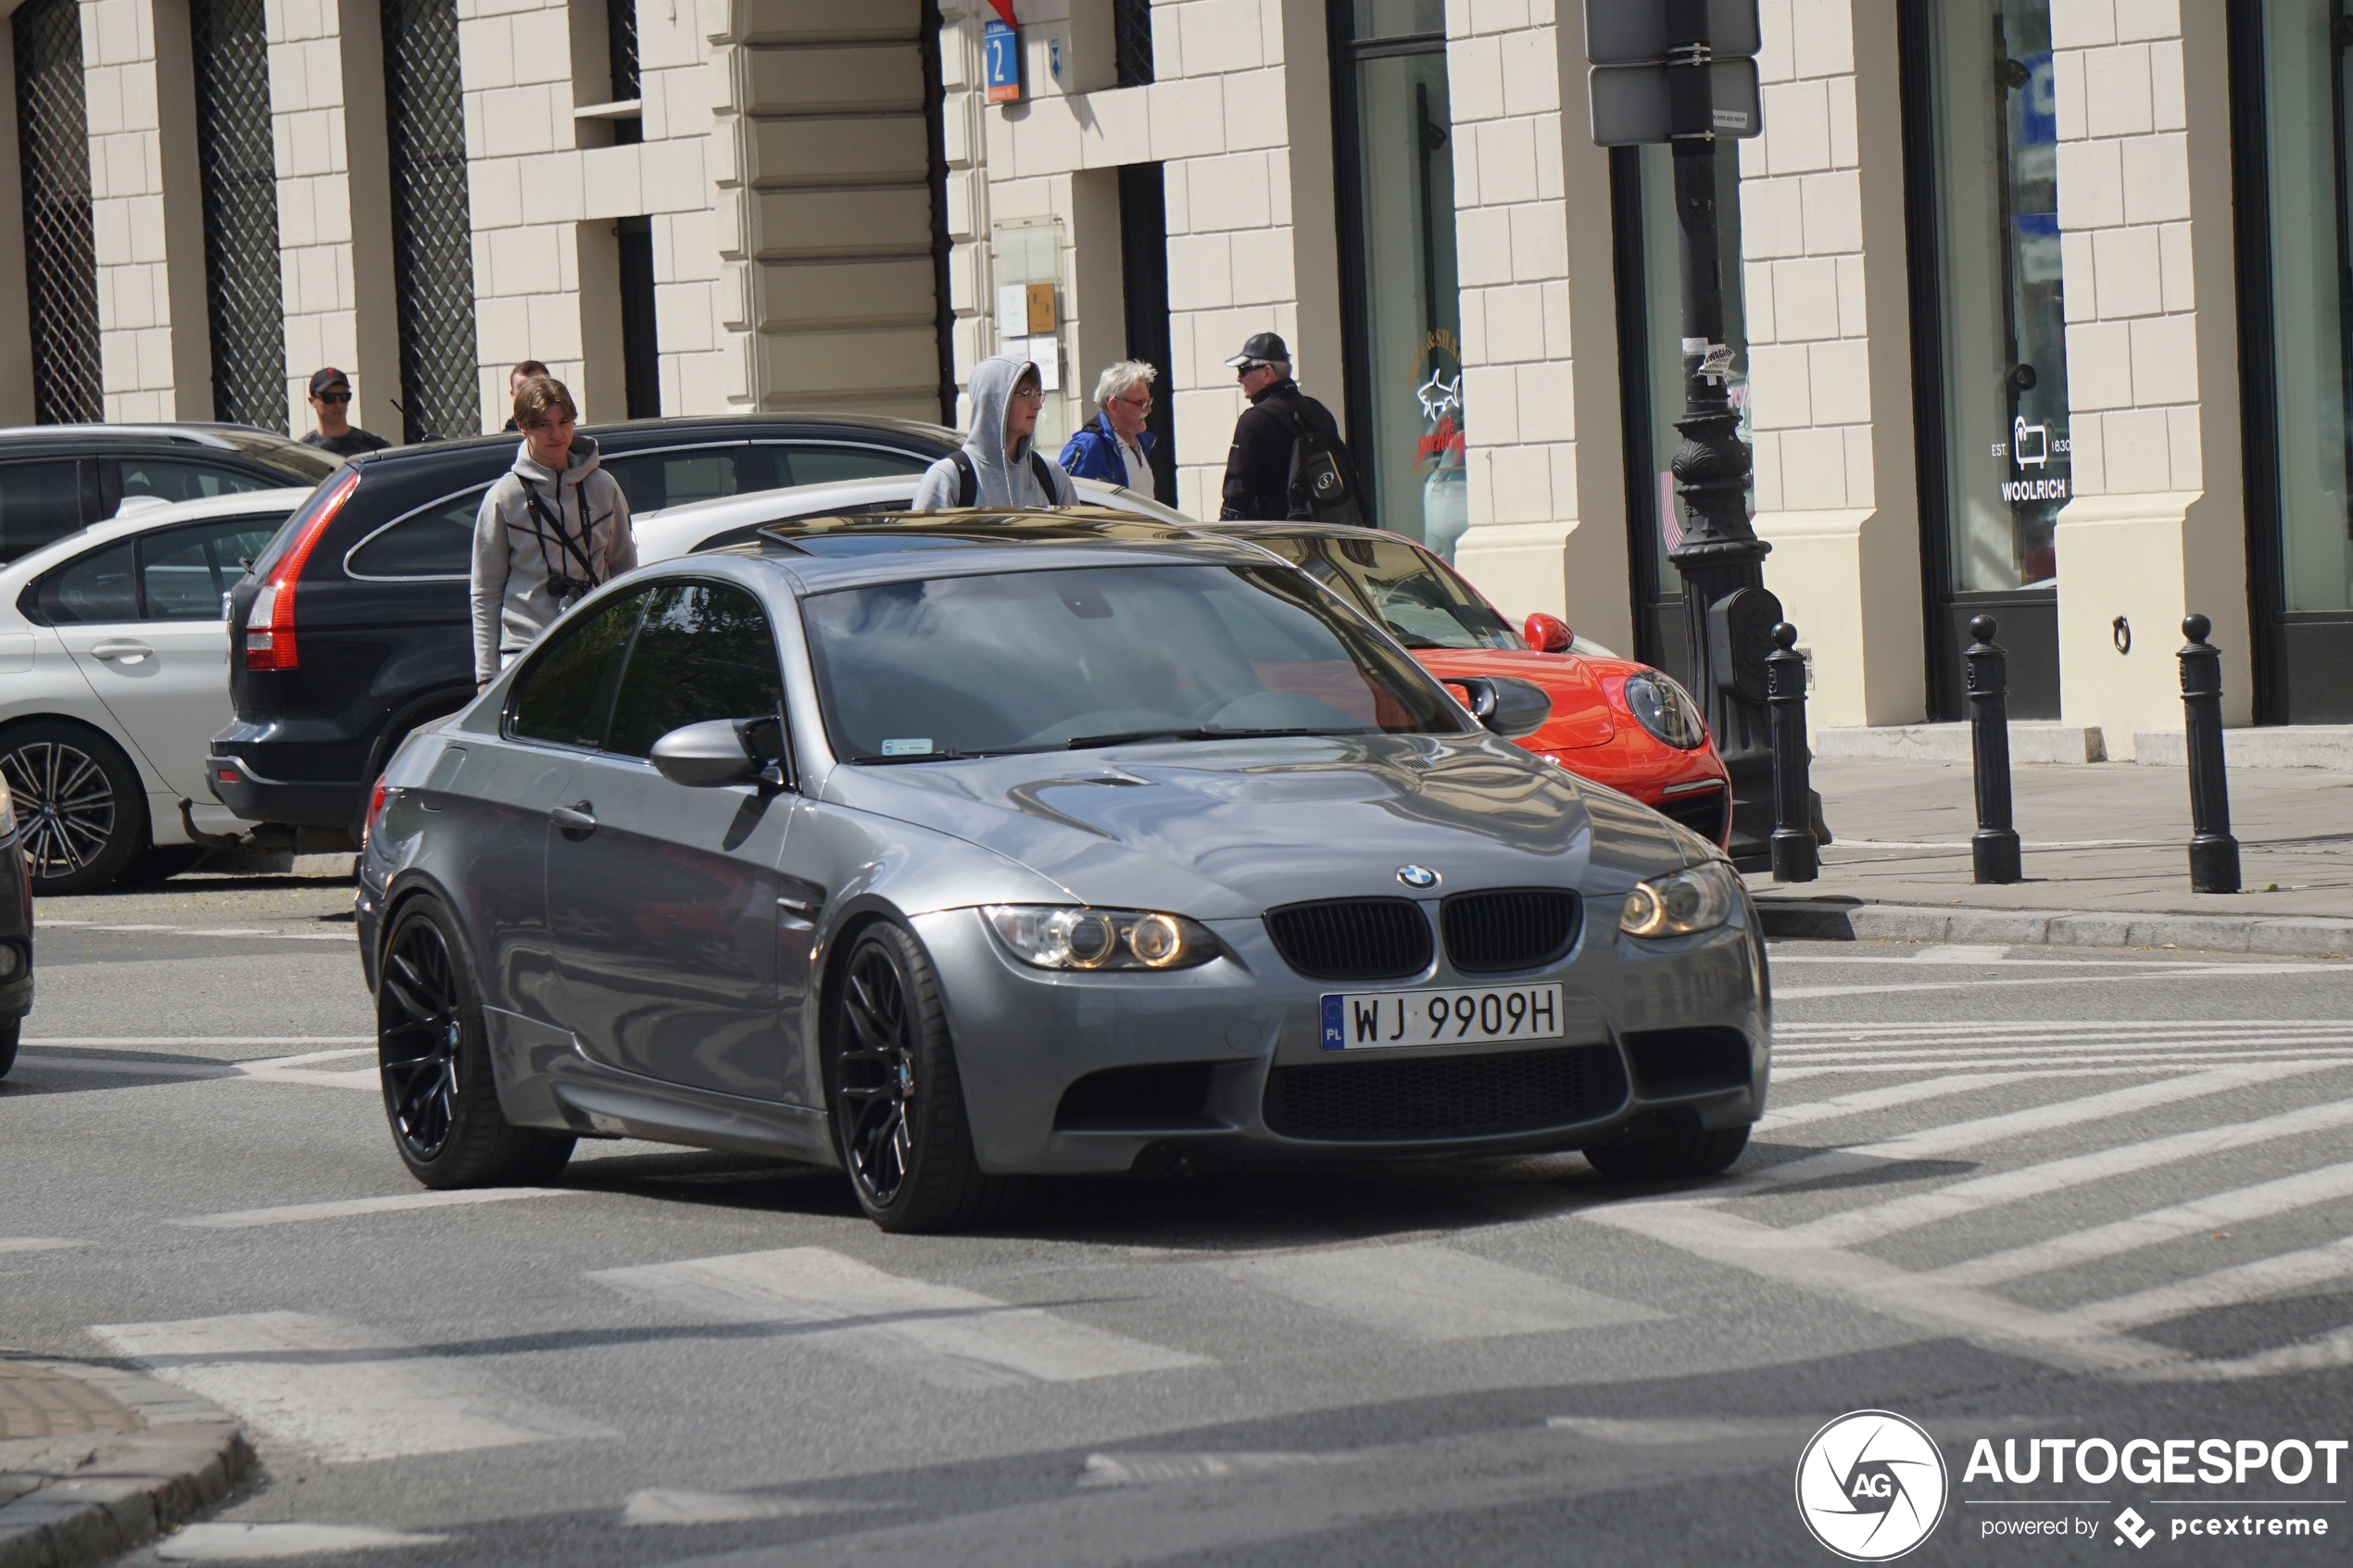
(735, 519)
(116, 659)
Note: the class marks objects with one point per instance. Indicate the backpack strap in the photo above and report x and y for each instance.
(967, 477)
(1038, 466)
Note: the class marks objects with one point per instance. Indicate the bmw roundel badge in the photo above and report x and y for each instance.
(1417, 876)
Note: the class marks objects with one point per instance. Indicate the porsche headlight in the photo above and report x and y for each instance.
(8, 810)
(1663, 708)
(1698, 899)
(1084, 938)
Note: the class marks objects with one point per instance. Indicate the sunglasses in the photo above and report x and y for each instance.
(335, 398)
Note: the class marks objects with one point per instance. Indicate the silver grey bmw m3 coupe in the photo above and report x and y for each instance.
(952, 850)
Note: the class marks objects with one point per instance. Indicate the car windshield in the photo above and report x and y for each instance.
(1413, 592)
(1069, 658)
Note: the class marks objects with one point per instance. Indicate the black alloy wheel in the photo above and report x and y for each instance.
(80, 809)
(1688, 1152)
(899, 1115)
(439, 1092)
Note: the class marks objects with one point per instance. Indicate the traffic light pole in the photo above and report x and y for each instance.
(1727, 612)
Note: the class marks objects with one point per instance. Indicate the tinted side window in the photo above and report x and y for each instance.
(93, 590)
(38, 502)
(567, 691)
(187, 571)
(704, 652)
(172, 480)
(830, 465)
(437, 541)
(654, 480)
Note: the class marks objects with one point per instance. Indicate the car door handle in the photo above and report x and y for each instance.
(578, 820)
(129, 652)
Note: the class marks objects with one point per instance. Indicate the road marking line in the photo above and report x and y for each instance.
(37, 1244)
(301, 1213)
(1873, 1062)
(342, 1390)
(2060, 1029)
(1854, 1225)
(663, 1505)
(2329, 1351)
(2207, 1213)
(1879, 1099)
(257, 1072)
(1927, 1054)
(1145, 1470)
(1433, 1294)
(2122, 1065)
(952, 1337)
(2223, 1288)
(2209, 971)
(248, 1542)
(127, 1040)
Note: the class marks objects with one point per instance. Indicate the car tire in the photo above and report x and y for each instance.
(10, 1032)
(1687, 1152)
(100, 824)
(896, 1103)
(441, 1096)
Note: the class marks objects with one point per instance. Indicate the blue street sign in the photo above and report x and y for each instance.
(1001, 49)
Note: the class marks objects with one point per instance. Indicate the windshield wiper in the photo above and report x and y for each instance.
(1086, 743)
(920, 757)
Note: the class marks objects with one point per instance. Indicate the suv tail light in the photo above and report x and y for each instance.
(270, 627)
(376, 798)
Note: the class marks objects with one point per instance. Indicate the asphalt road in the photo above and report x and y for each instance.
(2009, 1194)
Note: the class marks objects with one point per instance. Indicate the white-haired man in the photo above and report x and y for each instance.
(1116, 448)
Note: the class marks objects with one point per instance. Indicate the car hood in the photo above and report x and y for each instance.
(1227, 829)
(1581, 712)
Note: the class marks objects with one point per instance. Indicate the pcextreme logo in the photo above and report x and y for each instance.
(1870, 1485)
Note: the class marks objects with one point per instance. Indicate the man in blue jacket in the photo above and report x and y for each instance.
(1116, 448)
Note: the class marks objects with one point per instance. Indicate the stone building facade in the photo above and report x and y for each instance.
(2024, 294)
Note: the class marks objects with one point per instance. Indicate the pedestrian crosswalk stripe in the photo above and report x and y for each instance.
(1854, 1225)
(37, 1244)
(342, 1390)
(2224, 1287)
(2136, 1062)
(952, 1337)
(2212, 1212)
(1882, 1099)
(1426, 1292)
(2062, 1028)
(302, 1213)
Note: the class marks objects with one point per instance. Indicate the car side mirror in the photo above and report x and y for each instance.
(1547, 633)
(707, 754)
(1509, 708)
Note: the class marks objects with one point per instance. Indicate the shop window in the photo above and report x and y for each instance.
(1403, 300)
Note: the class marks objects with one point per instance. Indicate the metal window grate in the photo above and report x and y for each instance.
(61, 253)
(620, 37)
(1131, 24)
(234, 149)
(432, 226)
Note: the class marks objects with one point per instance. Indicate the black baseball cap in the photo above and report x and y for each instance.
(1263, 348)
(322, 380)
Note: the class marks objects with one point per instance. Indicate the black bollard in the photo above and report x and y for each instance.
(2214, 854)
(1795, 857)
(1992, 851)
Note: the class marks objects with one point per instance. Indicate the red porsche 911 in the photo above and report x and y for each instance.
(1615, 721)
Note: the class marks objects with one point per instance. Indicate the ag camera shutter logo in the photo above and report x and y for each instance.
(1871, 1485)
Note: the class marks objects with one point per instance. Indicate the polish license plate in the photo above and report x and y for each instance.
(1356, 1021)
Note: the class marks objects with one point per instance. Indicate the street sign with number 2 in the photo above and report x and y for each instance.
(1001, 52)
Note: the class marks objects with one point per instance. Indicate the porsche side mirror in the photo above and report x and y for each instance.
(1511, 708)
(1547, 633)
(706, 756)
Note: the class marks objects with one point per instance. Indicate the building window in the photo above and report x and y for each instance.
(640, 358)
(621, 38)
(1401, 299)
(235, 153)
(1989, 336)
(1650, 353)
(2295, 165)
(61, 253)
(431, 225)
(1131, 37)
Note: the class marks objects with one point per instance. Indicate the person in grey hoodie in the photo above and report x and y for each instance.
(1006, 468)
(555, 526)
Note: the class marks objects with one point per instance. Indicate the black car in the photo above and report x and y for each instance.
(16, 934)
(354, 625)
(57, 479)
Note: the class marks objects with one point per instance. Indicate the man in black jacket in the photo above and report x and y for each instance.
(1258, 469)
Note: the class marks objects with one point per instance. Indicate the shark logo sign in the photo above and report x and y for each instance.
(1870, 1485)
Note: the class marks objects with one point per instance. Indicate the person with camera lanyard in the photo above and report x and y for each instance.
(554, 527)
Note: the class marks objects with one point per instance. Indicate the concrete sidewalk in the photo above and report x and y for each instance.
(2105, 840)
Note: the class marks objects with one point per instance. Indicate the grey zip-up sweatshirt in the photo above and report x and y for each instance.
(1002, 484)
(515, 550)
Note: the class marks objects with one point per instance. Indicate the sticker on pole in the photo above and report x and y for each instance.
(1632, 105)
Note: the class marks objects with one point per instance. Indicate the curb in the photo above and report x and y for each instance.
(130, 1488)
(1833, 920)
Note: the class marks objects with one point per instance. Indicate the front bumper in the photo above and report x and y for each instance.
(1024, 1036)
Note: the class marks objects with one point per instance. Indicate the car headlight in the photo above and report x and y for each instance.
(1698, 899)
(8, 810)
(1665, 709)
(1084, 938)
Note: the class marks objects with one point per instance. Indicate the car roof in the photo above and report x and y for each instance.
(866, 551)
(146, 520)
(640, 433)
(827, 504)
